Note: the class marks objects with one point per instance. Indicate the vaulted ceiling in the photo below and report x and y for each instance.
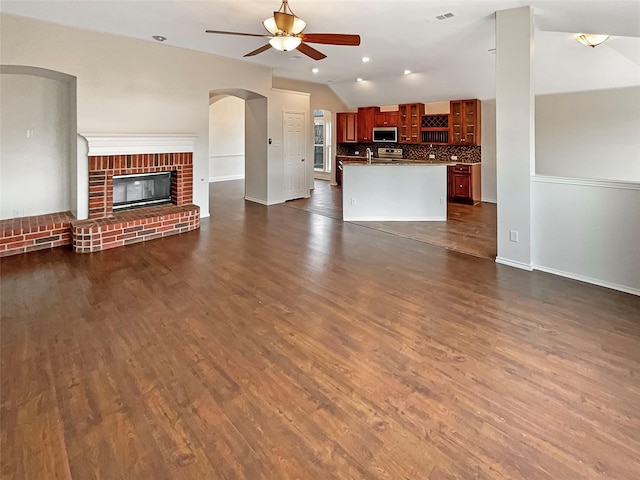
(450, 58)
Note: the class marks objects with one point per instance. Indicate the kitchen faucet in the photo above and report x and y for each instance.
(369, 155)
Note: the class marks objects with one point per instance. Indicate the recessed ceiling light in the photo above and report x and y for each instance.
(358, 79)
(159, 38)
(315, 70)
(407, 72)
(365, 59)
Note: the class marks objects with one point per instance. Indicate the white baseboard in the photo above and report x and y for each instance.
(396, 219)
(205, 215)
(593, 281)
(225, 178)
(255, 200)
(489, 200)
(513, 263)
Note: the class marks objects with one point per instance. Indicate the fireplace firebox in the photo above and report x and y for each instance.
(141, 190)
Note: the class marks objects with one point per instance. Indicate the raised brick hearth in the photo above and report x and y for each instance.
(109, 155)
(133, 226)
(39, 232)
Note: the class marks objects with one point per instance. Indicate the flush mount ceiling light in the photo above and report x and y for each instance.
(407, 72)
(159, 38)
(358, 79)
(365, 59)
(315, 70)
(591, 40)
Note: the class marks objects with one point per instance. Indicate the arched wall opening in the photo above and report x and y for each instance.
(38, 148)
(255, 141)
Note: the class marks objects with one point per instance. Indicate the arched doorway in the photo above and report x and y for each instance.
(255, 142)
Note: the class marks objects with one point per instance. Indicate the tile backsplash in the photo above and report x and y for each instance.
(466, 154)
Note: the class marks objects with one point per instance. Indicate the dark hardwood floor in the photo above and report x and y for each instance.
(469, 229)
(276, 343)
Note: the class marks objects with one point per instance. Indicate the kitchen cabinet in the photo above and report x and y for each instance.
(409, 118)
(464, 122)
(386, 119)
(464, 183)
(347, 127)
(435, 129)
(366, 120)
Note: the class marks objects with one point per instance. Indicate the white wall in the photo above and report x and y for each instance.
(127, 85)
(488, 152)
(321, 98)
(256, 155)
(587, 230)
(35, 165)
(589, 134)
(515, 134)
(226, 138)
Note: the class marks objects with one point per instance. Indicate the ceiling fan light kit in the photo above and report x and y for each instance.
(591, 40)
(286, 34)
(284, 43)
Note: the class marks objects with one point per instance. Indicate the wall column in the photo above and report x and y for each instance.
(515, 134)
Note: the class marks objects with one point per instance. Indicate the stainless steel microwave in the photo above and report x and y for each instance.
(385, 134)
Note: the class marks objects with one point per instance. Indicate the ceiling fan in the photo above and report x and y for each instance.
(285, 31)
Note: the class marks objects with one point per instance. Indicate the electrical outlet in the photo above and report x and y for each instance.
(441, 200)
(513, 236)
(353, 201)
(454, 157)
(431, 156)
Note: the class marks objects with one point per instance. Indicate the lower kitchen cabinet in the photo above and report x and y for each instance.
(464, 183)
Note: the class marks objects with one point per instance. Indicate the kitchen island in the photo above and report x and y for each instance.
(394, 190)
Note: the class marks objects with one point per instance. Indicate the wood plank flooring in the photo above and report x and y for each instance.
(469, 229)
(276, 343)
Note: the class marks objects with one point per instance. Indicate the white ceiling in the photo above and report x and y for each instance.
(449, 58)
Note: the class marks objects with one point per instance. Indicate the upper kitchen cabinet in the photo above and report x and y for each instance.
(409, 118)
(366, 121)
(465, 122)
(347, 127)
(386, 119)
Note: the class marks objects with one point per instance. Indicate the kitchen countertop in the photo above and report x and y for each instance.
(387, 161)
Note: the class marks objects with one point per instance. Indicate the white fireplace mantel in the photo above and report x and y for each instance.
(131, 143)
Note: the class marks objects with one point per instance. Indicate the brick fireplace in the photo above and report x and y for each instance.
(116, 155)
(102, 169)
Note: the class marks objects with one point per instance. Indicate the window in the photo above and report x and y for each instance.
(322, 141)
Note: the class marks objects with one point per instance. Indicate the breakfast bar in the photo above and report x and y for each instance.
(394, 191)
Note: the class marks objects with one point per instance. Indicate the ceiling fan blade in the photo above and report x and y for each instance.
(311, 52)
(284, 21)
(331, 38)
(263, 48)
(238, 33)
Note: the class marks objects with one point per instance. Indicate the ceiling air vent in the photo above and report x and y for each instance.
(444, 16)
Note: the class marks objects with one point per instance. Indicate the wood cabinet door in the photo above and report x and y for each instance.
(386, 119)
(366, 120)
(346, 128)
(351, 134)
(409, 122)
(461, 186)
(465, 122)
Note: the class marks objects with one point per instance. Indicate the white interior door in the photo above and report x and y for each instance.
(294, 155)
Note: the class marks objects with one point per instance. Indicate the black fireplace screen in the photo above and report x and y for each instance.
(133, 191)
